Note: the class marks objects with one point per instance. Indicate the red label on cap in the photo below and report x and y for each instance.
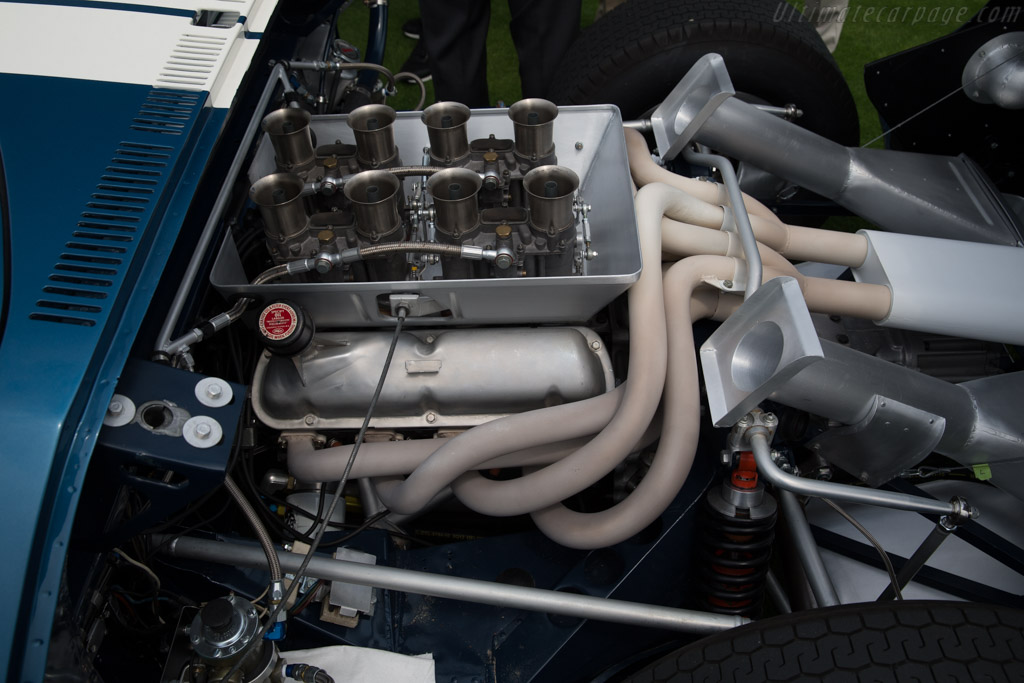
(278, 321)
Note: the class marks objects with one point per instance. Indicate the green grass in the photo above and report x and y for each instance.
(864, 39)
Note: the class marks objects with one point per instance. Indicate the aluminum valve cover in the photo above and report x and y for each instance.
(437, 378)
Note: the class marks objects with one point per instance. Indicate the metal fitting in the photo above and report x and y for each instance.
(504, 257)
(754, 422)
(961, 514)
(276, 592)
(301, 266)
(472, 253)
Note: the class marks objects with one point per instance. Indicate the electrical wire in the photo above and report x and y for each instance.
(308, 598)
(370, 521)
(297, 579)
(878, 546)
(135, 563)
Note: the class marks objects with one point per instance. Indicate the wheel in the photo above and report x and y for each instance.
(633, 57)
(884, 641)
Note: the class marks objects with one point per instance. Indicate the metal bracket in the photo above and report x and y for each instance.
(695, 98)
(893, 437)
(352, 599)
(765, 342)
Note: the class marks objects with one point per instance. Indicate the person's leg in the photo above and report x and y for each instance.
(455, 35)
(542, 31)
(827, 17)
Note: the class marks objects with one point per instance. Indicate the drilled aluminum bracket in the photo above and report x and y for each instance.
(695, 98)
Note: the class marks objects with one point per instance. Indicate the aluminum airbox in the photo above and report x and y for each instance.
(588, 140)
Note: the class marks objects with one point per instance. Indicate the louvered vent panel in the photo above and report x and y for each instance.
(193, 60)
(101, 243)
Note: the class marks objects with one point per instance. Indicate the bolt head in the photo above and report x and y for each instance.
(115, 408)
(596, 345)
(727, 284)
(203, 430)
(431, 418)
(214, 391)
(310, 419)
(770, 419)
(579, 146)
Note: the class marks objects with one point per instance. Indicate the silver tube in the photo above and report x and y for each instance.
(807, 550)
(777, 146)
(767, 468)
(368, 497)
(900, 191)
(456, 588)
(339, 65)
(739, 212)
(642, 125)
(222, 320)
(843, 385)
(277, 75)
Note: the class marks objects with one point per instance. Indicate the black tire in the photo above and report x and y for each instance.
(633, 57)
(892, 641)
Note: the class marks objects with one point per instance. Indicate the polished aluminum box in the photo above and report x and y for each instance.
(588, 140)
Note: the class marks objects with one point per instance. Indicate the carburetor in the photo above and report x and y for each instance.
(471, 217)
(490, 207)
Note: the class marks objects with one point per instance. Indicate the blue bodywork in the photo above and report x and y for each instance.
(99, 176)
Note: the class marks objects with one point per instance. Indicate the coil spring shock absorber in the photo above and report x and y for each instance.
(739, 519)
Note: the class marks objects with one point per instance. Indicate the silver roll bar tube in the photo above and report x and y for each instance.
(470, 590)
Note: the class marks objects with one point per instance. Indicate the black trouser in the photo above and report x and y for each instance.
(455, 35)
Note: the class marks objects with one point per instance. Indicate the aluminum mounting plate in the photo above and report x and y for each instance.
(763, 344)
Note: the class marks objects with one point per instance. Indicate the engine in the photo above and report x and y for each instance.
(509, 357)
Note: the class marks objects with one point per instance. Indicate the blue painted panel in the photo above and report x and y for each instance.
(93, 176)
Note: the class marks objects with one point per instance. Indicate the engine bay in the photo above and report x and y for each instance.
(546, 395)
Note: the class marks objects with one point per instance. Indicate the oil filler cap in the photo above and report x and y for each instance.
(285, 328)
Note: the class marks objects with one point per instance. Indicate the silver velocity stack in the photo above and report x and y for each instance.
(446, 128)
(279, 198)
(289, 134)
(454, 192)
(533, 121)
(550, 191)
(375, 196)
(375, 136)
